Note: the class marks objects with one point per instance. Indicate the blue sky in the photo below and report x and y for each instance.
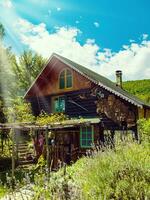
(104, 35)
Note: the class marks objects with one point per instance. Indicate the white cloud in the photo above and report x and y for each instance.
(133, 59)
(6, 3)
(63, 42)
(77, 22)
(58, 9)
(96, 24)
(49, 12)
(145, 36)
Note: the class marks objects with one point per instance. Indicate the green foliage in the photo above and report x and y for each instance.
(139, 88)
(2, 31)
(27, 68)
(19, 111)
(3, 191)
(56, 186)
(144, 128)
(41, 163)
(7, 80)
(44, 118)
(123, 174)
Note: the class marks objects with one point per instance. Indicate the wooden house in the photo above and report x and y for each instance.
(93, 103)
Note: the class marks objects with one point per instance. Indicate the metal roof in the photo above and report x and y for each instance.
(102, 81)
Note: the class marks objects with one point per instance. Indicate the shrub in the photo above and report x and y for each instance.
(144, 128)
(123, 174)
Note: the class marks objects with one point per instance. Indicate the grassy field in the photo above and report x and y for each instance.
(139, 88)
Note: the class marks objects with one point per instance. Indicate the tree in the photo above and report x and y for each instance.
(2, 31)
(19, 111)
(26, 69)
(6, 76)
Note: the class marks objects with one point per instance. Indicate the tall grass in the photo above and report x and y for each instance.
(120, 174)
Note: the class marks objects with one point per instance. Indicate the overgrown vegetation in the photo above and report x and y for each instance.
(44, 118)
(139, 88)
(109, 174)
(19, 111)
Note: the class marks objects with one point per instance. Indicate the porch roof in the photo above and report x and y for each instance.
(74, 122)
(56, 125)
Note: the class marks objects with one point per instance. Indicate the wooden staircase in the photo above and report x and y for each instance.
(23, 160)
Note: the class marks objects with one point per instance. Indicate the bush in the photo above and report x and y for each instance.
(144, 128)
(123, 174)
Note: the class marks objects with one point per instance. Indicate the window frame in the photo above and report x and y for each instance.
(65, 79)
(92, 136)
(53, 104)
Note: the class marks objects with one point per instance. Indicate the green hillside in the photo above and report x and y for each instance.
(139, 88)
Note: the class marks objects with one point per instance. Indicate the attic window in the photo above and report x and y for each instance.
(65, 79)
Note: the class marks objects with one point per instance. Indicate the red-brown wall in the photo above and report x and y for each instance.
(48, 82)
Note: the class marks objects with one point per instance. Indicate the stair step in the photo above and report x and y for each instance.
(29, 166)
(21, 146)
(22, 150)
(25, 162)
(22, 154)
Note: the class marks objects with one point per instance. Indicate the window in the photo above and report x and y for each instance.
(65, 79)
(59, 104)
(86, 136)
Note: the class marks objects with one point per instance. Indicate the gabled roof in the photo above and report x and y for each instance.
(98, 80)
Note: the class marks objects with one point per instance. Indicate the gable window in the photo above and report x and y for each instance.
(65, 79)
(86, 136)
(59, 104)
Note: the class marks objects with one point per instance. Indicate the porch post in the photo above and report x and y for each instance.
(47, 148)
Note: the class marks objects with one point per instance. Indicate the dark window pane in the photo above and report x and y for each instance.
(62, 80)
(62, 83)
(83, 136)
(89, 136)
(89, 143)
(83, 142)
(59, 104)
(56, 105)
(62, 104)
(89, 129)
(84, 130)
(69, 82)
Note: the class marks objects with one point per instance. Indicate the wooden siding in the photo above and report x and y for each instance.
(39, 104)
(48, 83)
(73, 104)
(147, 114)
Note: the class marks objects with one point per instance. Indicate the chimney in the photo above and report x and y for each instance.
(119, 78)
